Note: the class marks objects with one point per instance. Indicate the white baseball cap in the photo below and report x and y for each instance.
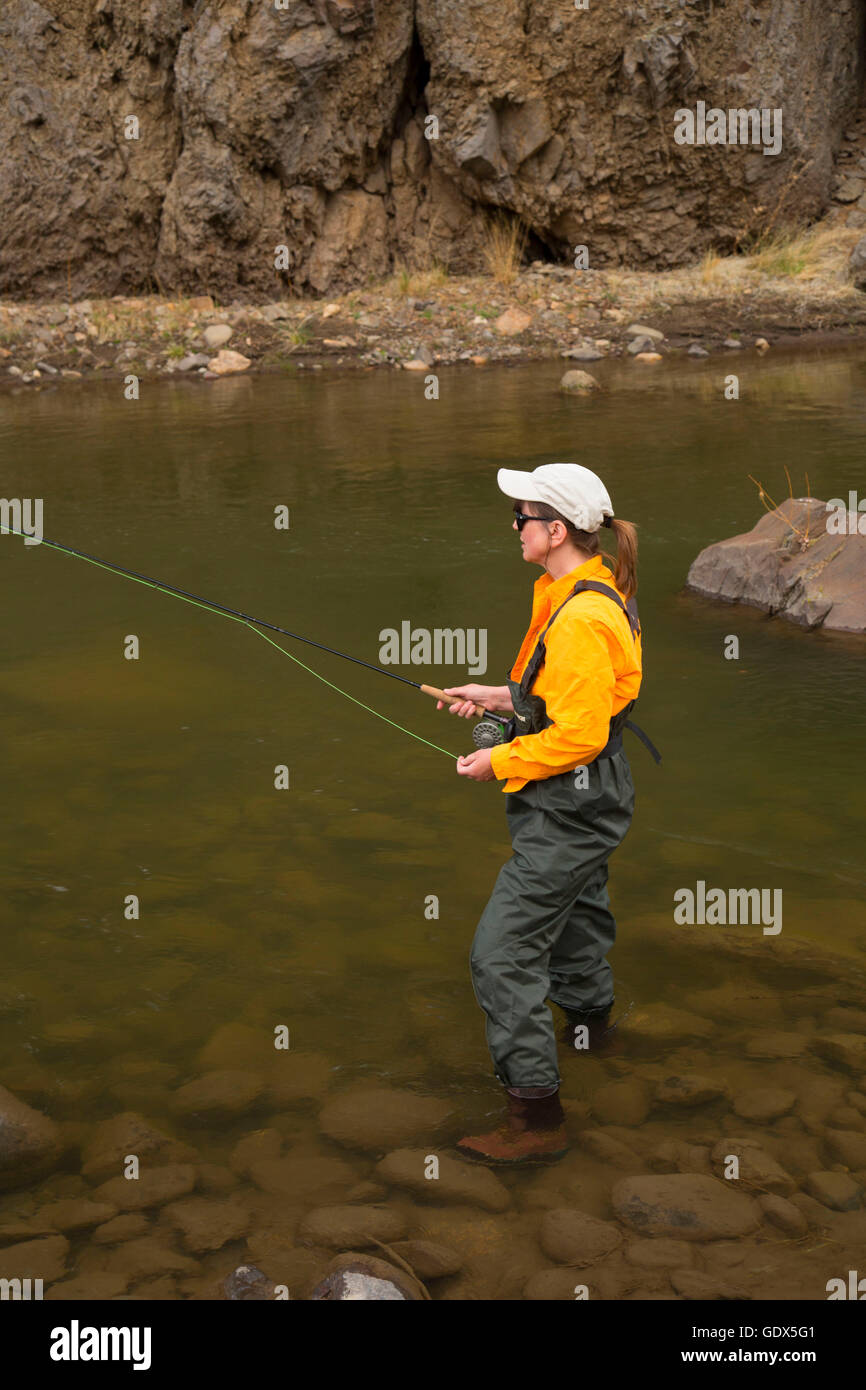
(575, 491)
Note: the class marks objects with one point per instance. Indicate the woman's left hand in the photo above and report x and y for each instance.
(477, 766)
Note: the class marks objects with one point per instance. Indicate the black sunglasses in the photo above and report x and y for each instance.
(522, 519)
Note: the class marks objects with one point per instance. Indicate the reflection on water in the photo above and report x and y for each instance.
(306, 907)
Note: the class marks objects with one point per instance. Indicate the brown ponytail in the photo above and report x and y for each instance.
(625, 564)
(625, 574)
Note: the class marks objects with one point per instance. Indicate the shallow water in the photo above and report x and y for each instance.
(305, 907)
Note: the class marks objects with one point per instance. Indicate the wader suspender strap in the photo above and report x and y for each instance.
(537, 660)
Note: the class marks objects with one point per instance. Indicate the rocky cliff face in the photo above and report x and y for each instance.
(306, 125)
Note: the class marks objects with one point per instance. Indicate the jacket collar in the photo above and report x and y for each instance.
(555, 591)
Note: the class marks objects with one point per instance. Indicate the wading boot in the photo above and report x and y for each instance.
(600, 1034)
(533, 1130)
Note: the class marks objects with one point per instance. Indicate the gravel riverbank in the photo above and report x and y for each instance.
(417, 320)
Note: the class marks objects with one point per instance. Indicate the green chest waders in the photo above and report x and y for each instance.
(548, 927)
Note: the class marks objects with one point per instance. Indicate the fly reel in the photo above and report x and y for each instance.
(488, 734)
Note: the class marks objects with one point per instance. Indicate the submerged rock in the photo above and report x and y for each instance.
(822, 584)
(207, 1223)
(152, 1188)
(622, 1103)
(218, 1094)
(359, 1226)
(553, 1286)
(688, 1089)
(364, 1278)
(261, 1144)
(757, 1168)
(35, 1259)
(129, 1133)
(29, 1142)
(776, 1046)
(692, 1284)
(846, 1050)
(847, 1146)
(660, 1254)
(377, 1118)
(457, 1181)
(574, 1238)
(76, 1214)
(835, 1190)
(303, 1176)
(120, 1228)
(609, 1149)
(763, 1104)
(783, 1214)
(661, 1024)
(148, 1257)
(428, 1258)
(684, 1205)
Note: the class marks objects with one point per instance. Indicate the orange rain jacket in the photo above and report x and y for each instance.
(592, 670)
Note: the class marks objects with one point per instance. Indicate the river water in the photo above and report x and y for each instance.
(304, 908)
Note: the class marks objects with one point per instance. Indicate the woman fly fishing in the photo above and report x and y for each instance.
(547, 929)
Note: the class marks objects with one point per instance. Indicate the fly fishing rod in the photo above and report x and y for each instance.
(255, 623)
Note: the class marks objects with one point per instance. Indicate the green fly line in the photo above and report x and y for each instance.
(198, 603)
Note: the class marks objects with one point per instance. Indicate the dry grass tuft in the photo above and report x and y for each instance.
(417, 281)
(504, 248)
(819, 252)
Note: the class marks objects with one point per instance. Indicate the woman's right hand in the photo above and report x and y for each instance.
(496, 698)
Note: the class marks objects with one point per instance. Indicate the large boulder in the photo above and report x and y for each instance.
(790, 564)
